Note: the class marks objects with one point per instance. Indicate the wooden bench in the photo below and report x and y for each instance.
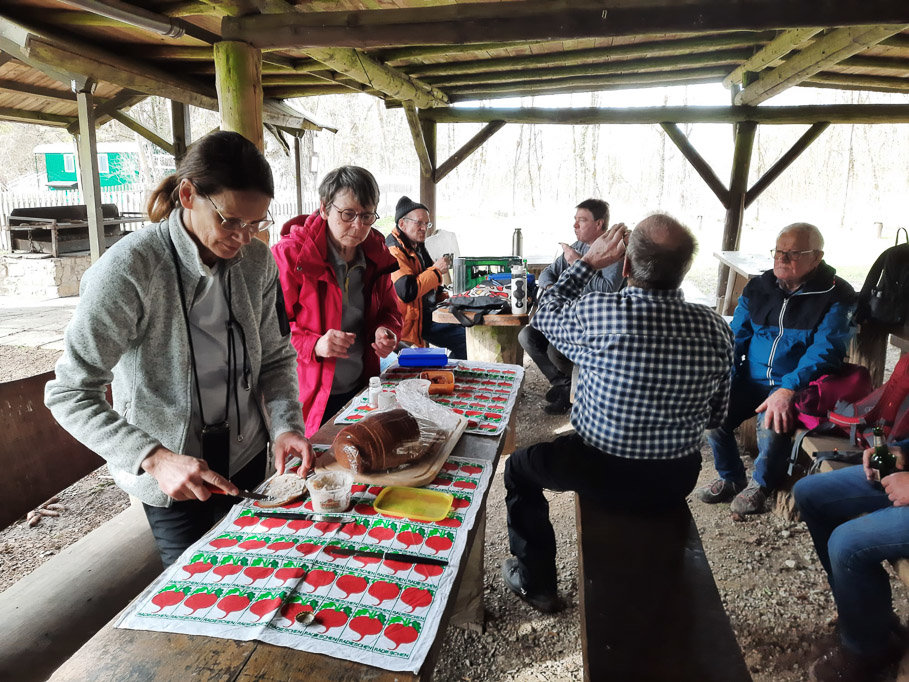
(50, 613)
(650, 609)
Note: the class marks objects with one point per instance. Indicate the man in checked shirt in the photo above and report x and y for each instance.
(654, 373)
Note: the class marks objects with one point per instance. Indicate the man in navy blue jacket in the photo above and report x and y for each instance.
(792, 324)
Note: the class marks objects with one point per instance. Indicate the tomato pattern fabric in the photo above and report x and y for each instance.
(484, 393)
(250, 577)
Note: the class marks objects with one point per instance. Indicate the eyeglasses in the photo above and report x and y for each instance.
(420, 223)
(348, 215)
(235, 224)
(793, 256)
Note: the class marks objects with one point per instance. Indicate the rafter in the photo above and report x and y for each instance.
(857, 82)
(634, 66)
(839, 113)
(831, 49)
(37, 91)
(390, 82)
(140, 129)
(616, 53)
(779, 47)
(523, 21)
(25, 116)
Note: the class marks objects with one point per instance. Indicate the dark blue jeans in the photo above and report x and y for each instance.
(567, 463)
(554, 366)
(851, 548)
(773, 448)
(450, 336)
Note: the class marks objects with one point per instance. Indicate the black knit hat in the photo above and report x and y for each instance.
(405, 206)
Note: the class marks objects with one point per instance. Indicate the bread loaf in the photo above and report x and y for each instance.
(381, 441)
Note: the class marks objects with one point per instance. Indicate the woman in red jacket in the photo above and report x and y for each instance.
(335, 273)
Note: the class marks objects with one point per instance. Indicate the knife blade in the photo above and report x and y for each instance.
(295, 516)
(242, 493)
(393, 556)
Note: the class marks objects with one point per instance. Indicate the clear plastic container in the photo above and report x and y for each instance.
(330, 491)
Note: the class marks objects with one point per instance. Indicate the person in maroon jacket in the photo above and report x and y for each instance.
(335, 274)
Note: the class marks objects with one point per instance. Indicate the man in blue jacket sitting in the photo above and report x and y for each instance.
(792, 324)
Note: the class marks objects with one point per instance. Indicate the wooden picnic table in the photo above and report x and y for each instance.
(742, 267)
(495, 340)
(120, 654)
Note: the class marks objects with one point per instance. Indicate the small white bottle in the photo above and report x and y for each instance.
(375, 388)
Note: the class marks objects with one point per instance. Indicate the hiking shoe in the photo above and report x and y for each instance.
(560, 407)
(720, 490)
(750, 501)
(547, 602)
(841, 665)
(557, 392)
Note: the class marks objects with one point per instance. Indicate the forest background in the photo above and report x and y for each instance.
(852, 182)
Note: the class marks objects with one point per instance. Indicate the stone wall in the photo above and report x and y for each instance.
(40, 275)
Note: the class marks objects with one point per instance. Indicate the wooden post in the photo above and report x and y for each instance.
(179, 123)
(298, 174)
(735, 209)
(238, 79)
(427, 184)
(89, 181)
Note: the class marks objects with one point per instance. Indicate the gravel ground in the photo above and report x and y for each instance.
(770, 580)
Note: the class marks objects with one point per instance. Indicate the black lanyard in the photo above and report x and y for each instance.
(189, 335)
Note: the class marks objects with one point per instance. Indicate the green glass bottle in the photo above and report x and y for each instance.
(882, 459)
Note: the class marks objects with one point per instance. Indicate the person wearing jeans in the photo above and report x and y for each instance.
(857, 523)
(792, 324)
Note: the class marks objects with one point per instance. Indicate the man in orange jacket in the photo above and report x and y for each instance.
(418, 282)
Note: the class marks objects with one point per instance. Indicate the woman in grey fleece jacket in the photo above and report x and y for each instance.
(236, 373)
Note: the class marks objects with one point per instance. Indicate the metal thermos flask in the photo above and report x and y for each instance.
(517, 243)
(459, 276)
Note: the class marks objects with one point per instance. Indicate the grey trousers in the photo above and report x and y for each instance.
(554, 366)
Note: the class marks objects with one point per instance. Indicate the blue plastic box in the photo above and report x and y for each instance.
(422, 357)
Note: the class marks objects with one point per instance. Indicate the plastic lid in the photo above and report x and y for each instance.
(419, 504)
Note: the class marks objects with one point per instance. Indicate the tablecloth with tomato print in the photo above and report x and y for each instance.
(249, 577)
(485, 393)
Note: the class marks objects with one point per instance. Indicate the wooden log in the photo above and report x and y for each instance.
(697, 161)
(364, 69)
(419, 143)
(777, 48)
(427, 183)
(140, 129)
(89, 178)
(431, 26)
(494, 344)
(841, 113)
(179, 123)
(238, 80)
(854, 81)
(467, 149)
(26, 116)
(634, 66)
(784, 162)
(588, 55)
(831, 49)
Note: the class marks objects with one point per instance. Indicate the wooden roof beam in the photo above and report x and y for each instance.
(25, 116)
(697, 162)
(122, 100)
(634, 66)
(37, 91)
(419, 142)
(13, 39)
(831, 49)
(779, 47)
(589, 55)
(578, 83)
(856, 81)
(785, 161)
(392, 83)
(837, 113)
(292, 91)
(140, 129)
(516, 21)
(468, 148)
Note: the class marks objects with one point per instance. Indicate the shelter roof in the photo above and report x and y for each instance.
(434, 53)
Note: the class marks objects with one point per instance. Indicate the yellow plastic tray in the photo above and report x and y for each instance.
(413, 503)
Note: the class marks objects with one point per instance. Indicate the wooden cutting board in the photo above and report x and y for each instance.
(418, 474)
